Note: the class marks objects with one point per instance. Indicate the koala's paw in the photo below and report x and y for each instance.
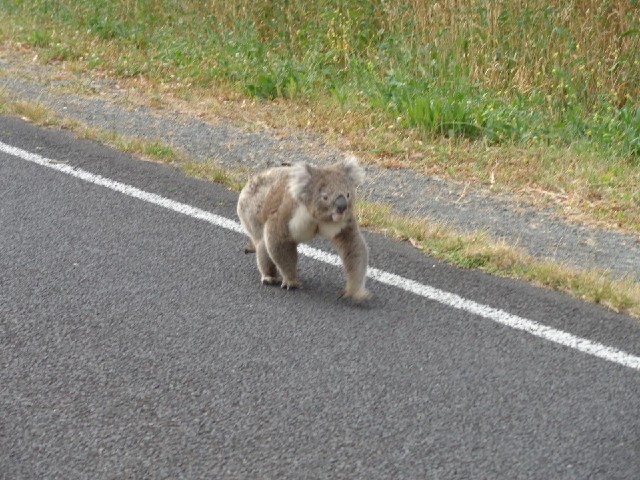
(271, 280)
(291, 284)
(250, 248)
(358, 296)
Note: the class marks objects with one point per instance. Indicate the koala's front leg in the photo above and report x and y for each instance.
(355, 258)
(284, 253)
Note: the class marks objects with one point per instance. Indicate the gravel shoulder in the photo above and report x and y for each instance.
(540, 232)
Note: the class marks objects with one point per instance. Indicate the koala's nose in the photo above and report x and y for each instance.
(341, 204)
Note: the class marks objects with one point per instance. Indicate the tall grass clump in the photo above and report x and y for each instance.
(543, 72)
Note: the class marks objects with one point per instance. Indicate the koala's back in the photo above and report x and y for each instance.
(261, 195)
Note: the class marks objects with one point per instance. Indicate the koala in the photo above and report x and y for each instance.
(284, 206)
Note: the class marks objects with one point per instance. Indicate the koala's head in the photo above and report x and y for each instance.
(328, 193)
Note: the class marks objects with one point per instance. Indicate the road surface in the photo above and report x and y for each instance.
(137, 342)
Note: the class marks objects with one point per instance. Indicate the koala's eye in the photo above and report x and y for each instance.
(348, 194)
(325, 197)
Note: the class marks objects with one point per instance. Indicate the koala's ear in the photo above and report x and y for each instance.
(353, 170)
(299, 178)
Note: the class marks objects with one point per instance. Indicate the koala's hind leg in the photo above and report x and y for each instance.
(267, 268)
(250, 248)
(285, 256)
(355, 258)
(250, 224)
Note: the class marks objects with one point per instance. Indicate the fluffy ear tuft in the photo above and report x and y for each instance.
(353, 170)
(299, 178)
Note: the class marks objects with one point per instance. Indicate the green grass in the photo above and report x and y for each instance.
(564, 74)
(211, 171)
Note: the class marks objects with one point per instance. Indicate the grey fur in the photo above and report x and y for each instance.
(282, 207)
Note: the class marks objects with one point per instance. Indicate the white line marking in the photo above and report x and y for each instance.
(390, 279)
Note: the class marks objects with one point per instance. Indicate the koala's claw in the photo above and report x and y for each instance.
(291, 284)
(271, 281)
(359, 296)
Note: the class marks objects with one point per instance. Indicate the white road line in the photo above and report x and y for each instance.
(431, 293)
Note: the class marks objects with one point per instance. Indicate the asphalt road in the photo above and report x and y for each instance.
(137, 342)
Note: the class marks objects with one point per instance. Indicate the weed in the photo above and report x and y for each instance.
(160, 152)
(233, 180)
(34, 112)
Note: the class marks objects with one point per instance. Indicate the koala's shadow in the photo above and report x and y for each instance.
(324, 294)
(324, 284)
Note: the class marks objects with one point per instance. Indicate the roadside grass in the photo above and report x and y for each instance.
(232, 179)
(474, 250)
(477, 251)
(31, 111)
(154, 150)
(536, 98)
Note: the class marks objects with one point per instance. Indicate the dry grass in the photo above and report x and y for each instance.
(232, 179)
(477, 251)
(592, 43)
(30, 111)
